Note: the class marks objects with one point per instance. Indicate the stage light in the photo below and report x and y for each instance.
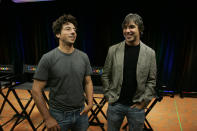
(24, 1)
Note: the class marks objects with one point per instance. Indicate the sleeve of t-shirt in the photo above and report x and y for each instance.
(41, 72)
(88, 67)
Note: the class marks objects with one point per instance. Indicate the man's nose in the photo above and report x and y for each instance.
(73, 31)
(127, 29)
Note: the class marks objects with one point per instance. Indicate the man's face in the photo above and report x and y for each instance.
(131, 32)
(68, 34)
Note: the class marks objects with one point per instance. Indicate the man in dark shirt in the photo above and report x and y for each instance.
(129, 77)
(63, 70)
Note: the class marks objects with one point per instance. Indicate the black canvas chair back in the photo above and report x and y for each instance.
(6, 74)
(28, 72)
(96, 79)
(6, 70)
(29, 68)
(96, 75)
(25, 80)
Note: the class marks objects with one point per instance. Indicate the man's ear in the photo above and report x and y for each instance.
(58, 35)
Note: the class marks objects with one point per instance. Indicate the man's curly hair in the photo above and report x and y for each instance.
(57, 25)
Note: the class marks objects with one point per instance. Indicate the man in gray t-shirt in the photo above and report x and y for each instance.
(64, 70)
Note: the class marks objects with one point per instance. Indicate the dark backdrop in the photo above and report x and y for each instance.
(170, 29)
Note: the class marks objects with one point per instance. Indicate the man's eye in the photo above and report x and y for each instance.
(68, 28)
(131, 26)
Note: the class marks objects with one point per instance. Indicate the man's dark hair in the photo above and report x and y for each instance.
(136, 19)
(57, 25)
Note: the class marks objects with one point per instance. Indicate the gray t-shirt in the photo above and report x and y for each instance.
(64, 74)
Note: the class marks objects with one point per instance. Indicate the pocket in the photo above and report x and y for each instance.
(138, 109)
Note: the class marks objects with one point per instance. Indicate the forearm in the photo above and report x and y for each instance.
(41, 103)
(89, 93)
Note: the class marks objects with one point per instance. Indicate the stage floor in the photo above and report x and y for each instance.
(171, 114)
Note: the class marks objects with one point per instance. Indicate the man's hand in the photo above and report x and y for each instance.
(140, 105)
(86, 109)
(52, 124)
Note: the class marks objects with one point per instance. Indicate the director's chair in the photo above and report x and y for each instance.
(99, 102)
(6, 73)
(25, 84)
(7, 81)
(147, 125)
(98, 108)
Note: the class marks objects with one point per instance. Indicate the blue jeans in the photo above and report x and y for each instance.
(116, 114)
(71, 119)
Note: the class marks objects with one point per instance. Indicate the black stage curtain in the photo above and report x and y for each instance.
(170, 29)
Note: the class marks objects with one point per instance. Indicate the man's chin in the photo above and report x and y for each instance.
(69, 43)
(130, 40)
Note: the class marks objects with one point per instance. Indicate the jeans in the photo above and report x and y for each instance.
(117, 112)
(71, 119)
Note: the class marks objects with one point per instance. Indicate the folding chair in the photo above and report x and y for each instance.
(98, 109)
(147, 125)
(100, 105)
(6, 71)
(96, 78)
(6, 82)
(25, 84)
(6, 75)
